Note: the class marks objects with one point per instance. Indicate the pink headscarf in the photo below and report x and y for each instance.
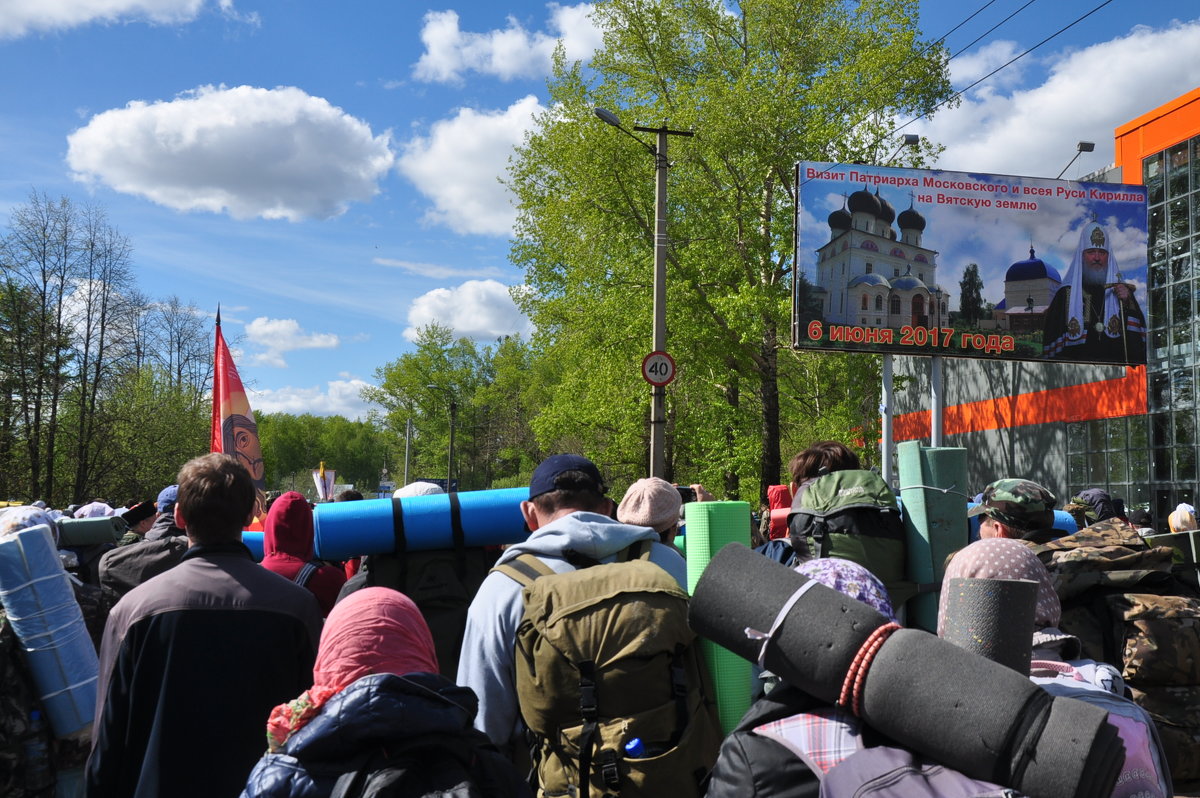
(373, 630)
(1004, 558)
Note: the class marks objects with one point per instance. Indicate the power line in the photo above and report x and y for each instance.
(1005, 65)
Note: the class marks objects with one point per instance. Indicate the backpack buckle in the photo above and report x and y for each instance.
(587, 701)
(608, 769)
(587, 691)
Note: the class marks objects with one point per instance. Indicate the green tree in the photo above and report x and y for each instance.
(970, 293)
(764, 84)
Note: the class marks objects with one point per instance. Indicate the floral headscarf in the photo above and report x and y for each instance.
(14, 519)
(373, 630)
(1003, 558)
(851, 579)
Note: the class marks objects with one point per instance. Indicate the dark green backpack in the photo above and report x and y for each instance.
(604, 655)
(853, 515)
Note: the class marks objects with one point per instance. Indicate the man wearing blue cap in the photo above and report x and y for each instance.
(570, 519)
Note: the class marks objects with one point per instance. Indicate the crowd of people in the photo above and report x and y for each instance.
(296, 677)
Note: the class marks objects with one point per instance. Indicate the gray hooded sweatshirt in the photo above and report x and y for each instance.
(488, 652)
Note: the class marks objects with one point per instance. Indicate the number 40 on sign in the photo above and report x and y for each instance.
(658, 368)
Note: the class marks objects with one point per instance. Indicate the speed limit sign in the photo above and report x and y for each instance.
(658, 368)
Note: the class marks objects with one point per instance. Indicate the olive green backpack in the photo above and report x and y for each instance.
(604, 656)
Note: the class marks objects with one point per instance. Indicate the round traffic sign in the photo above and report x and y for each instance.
(658, 368)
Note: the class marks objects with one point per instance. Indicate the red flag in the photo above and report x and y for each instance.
(233, 429)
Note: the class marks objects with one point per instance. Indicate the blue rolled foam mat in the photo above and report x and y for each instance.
(967, 712)
(255, 542)
(350, 529)
(41, 607)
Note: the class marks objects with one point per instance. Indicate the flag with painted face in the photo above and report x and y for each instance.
(233, 428)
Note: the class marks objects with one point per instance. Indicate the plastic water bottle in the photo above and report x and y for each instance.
(635, 748)
(39, 773)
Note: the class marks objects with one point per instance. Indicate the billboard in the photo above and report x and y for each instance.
(928, 262)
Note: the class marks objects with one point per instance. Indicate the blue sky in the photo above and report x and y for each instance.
(329, 172)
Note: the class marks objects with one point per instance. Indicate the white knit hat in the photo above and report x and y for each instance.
(651, 502)
(417, 489)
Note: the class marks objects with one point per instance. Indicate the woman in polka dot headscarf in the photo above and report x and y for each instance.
(1006, 558)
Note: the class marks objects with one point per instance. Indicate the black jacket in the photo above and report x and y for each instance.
(192, 663)
(753, 766)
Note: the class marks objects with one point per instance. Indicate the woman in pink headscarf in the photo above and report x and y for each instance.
(376, 689)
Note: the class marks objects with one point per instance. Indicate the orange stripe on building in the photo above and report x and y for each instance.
(1124, 396)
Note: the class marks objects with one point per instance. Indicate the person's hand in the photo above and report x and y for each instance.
(702, 494)
(1122, 292)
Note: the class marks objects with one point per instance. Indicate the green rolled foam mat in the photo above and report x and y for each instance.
(935, 520)
(711, 525)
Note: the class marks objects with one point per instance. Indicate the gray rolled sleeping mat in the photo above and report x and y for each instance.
(992, 618)
(976, 716)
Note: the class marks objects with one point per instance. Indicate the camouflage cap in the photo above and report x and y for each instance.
(1018, 503)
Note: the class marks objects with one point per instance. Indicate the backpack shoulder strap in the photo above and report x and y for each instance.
(304, 574)
(524, 569)
(638, 550)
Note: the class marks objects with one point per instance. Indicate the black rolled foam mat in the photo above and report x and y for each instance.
(954, 706)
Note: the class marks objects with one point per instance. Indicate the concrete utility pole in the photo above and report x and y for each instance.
(658, 415)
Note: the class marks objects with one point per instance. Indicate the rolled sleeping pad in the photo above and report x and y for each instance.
(968, 713)
(711, 525)
(90, 531)
(1064, 522)
(45, 616)
(254, 541)
(419, 523)
(992, 618)
(934, 520)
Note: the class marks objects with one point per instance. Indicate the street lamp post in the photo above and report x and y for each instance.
(658, 416)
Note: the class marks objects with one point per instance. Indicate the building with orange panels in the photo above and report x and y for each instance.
(1131, 431)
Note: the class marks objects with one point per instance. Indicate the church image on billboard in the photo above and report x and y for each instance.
(973, 265)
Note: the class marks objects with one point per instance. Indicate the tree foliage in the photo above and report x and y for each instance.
(764, 84)
(93, 401)
(970, 292)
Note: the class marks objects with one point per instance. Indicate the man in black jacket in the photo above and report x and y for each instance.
(195, 659)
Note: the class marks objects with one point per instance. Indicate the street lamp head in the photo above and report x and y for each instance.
(911, 139)
(607, 116)
(1086, 146)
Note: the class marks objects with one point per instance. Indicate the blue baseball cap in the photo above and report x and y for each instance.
(546, 475)
(167, 498)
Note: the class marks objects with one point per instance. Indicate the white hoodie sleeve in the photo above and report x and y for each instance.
(487, 661)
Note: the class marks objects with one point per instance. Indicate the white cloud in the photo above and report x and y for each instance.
(511, 53)
(277, 336)
(1088, 93)
(276, 153)
(459, 165)
(336, 398)
(970, 67)
(438, 272)
(20, 17)
(479, 309)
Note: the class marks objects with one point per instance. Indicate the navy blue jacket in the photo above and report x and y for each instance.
(374, 712)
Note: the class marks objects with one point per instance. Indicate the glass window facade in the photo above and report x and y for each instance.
(1152, 461)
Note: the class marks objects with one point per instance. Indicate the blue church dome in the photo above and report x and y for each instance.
(1032, 269)
(907, 283)
(869, 279)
